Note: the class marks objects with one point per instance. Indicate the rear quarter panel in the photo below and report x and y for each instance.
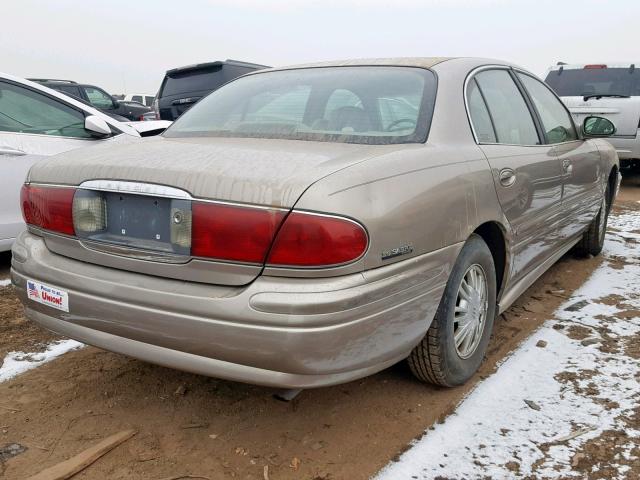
(425, 197)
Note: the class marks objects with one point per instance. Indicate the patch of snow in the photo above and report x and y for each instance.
(494, 426)
(16, 363)
(4, 282)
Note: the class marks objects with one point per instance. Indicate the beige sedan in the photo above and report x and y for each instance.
(310, 225)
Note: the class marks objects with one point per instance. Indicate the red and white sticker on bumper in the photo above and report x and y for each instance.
(48, 295)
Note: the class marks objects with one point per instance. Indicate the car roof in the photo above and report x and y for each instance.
(70, 100)
(200, 66)
(422, 62)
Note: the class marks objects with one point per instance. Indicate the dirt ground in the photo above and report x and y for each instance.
(213, 429)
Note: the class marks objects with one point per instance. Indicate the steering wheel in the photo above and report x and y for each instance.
(392, 126)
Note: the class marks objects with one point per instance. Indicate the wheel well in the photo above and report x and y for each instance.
(491, 233)
(613, 178)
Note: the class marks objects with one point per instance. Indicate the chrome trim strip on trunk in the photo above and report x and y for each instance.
(136, 188)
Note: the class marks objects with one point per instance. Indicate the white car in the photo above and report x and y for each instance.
(142, 98)
(610, 90)
(37, 122)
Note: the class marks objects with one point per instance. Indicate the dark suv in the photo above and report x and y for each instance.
(97, 98)
(184, 86)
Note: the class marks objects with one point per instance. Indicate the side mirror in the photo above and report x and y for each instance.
(97, 126)
(598, 127)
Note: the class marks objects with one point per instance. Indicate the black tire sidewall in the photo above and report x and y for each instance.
(456, 369)
(603, 216)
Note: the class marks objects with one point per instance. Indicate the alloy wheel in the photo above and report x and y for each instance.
(470, 311)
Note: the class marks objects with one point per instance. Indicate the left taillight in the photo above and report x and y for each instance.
(49, 208)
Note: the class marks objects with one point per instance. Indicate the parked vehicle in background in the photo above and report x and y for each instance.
(144, 99)
(37, 122)
(98, 98)
(184, 86)
(611, 90)
(311, 225)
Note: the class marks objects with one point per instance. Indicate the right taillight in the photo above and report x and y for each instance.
(316, 240)
(49, 208)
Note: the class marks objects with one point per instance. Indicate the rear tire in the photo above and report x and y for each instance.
(592, 239)
(447, 355)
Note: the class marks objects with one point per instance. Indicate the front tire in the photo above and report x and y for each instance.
(456, 342)
(592, 239)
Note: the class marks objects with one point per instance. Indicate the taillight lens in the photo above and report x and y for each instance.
(233, 233)
(49, 208)
(313, 240)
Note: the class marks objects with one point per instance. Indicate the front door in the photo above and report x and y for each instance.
(32, 126)
(527, 174)
(579, 159)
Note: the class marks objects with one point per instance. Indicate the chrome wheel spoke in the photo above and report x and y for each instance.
(462, 307)
(462, 333)
(465, 290)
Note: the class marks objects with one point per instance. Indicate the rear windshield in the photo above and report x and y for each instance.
(595, 81)
(373, 105)
(192, 81)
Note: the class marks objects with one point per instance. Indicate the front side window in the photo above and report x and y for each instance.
(98, 98)
(555, 118)
(26, 111)
(511, 117)
(137, 98)
(375, 105)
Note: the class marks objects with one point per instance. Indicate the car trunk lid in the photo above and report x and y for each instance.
(269, 174)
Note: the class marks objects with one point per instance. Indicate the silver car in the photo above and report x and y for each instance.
(310, 225)
(610, 90)
(37, 122)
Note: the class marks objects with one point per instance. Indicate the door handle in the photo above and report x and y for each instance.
(566, 165)
(507, 177)
(11, 151)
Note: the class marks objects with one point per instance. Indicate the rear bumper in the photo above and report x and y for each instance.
(283, 332)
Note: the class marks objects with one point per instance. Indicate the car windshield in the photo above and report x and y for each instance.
(374, 105)
(570, 82)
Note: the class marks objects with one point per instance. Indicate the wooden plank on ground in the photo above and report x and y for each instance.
(69, 468)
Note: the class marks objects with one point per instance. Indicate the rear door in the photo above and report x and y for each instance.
(527, 174)
(32, 126)
(580, 159)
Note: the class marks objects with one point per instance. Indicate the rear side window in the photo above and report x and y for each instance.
(511, 117)
(555, 118)
(26, 111)
(148, 101)
(573, 82)
(480, 118)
